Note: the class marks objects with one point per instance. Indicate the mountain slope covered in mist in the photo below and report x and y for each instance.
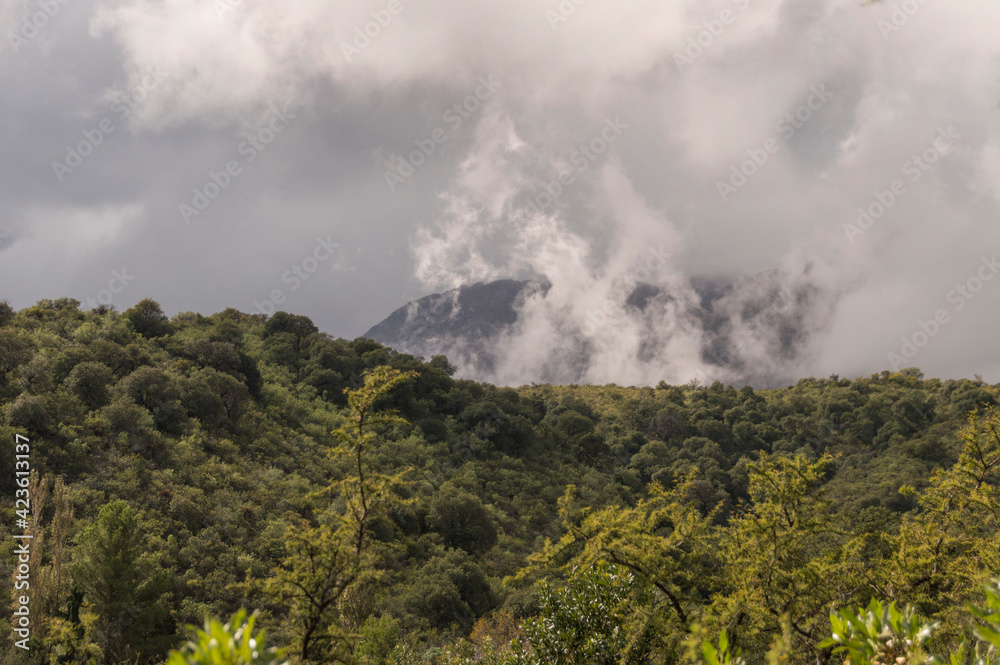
(484, 329)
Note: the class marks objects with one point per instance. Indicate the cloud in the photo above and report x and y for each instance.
(531, 185)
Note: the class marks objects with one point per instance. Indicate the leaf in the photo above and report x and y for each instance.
(711, 657)
(990, 635)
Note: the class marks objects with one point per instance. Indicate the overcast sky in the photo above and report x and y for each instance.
(219, 153)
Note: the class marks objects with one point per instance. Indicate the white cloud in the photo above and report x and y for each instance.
(656, 186)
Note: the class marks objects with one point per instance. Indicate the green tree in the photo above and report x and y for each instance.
(449, 589)
(148, 319)
(74, 643)
(366, 493)
(121, 579)
(587, 622)
(784, 554)
(462, 520)
(324, 562)
(951, 546)
(664, 540)
(6, 313)
(15, 350)
(89, 381)
(377, 638)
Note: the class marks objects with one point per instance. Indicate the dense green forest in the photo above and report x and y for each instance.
(368, 507)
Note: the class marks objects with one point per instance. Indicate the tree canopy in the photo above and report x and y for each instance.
(370, 507)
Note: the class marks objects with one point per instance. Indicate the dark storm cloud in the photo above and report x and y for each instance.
(695, 90)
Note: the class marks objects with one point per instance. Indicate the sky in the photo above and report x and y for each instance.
(338, 160)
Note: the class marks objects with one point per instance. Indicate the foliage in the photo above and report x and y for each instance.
(882, 634)
(326, 561)
(586, 622)
(69, 642)
(702, 650)
(400, 505)
(990, 617)
(233, 643)
(118, 576)
(148, 319)
(462, 520)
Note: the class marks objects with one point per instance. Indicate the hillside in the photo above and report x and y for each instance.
(183, 463)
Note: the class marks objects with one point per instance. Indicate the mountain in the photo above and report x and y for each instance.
(460, 322)
(481, 309)
(749, 331)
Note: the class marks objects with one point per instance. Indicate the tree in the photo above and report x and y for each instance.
(462, 520)
(324, 562)
(6, 313)
(72, 642)
(231, 393)
(951, 546)
(319, 568)
(664, 541)
(450, 588)
(148, 319)
(14, 350)
(119, 577)
(89, 381)
(368, 494)
(157, 391)
(441, 363)
(586, 622)
(29, 412)
(35, 376)
(283, 322)
(49, 583)
(784, 555)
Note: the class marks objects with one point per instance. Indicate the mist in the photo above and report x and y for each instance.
(749, 191)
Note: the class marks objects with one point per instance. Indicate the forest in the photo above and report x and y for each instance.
(238, 488)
